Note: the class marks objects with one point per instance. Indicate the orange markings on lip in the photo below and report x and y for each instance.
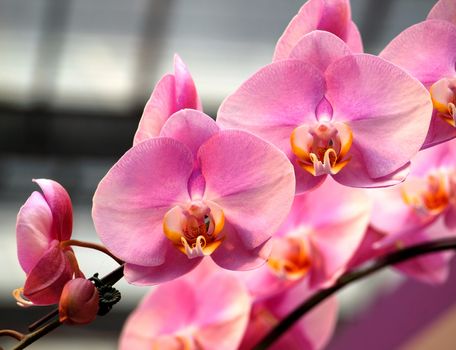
(195, 230)
(322, 149)
(429, 196)
(443, 95)
(290, 258)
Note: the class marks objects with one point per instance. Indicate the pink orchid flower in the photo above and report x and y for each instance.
(333, 118)
(333, 16)
(192, 192)
(426, 50)
(44, 223)
(172, 93)
(206, 309)
(79, 302)
(312, 332)
(420, 209)
(428, 193)
(315, 242)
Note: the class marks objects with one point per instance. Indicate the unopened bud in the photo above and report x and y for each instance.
(78, 302)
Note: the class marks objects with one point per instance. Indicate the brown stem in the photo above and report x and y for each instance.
(38, 323)
(111, 278)
(11, 333)
(74, 242)
(41, 332)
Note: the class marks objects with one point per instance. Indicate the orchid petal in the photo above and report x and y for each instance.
(232, 254)
(426, 50)
(439, 131)
(439, 156)
(177, 314)
(389, 203)
(356, 174)
(315, 329)
(190, 127)
(186, 94)
(60, 204)
(33, 231)
(333, 238)
(320, 49)
(444, 10)
(133, 197)
(305, 181)
(333, 16)
(46, 280)
(257, 279)
(246, 176)
(161, 313)
(397, 109)
(171, 94)
(223, 313)
(353, 38)
(159, 107)
(366, 250)
(274, 101)
(175, 264)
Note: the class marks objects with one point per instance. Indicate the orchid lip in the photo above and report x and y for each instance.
(443, 95)
(322, 148)
(430, 196)
(290, 258)
(195, 229)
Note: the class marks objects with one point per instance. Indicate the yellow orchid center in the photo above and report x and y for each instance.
(322, 149)
(195, 229)
(443, 94)
(289, 258)
(432, 195)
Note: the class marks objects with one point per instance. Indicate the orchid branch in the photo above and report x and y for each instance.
(90, 245)
(349, 277)
(27, 339)
(352, 276)
(11, 333)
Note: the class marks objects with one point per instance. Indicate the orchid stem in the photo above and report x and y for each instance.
(43, 320)
(76, 243)
(352, 276)
(11, 333)
(27, 339)
(41, 332)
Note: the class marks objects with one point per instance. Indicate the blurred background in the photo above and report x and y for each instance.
(74, 78)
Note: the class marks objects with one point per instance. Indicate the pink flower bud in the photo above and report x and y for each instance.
(78, 302)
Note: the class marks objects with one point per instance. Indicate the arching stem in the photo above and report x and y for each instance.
(11, 333)
(100, 248)
(30, 338)
(352, 276)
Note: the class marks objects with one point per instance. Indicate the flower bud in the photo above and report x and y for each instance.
(78, 302)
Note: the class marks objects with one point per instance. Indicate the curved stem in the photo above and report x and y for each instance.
(38, 323)
(27, 339)
(349, 277)
(99, 247)
(11, 333)
(41, 332)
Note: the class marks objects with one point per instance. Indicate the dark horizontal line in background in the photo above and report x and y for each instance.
(44, 131)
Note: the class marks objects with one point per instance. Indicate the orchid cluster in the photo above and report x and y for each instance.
(322, 160)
